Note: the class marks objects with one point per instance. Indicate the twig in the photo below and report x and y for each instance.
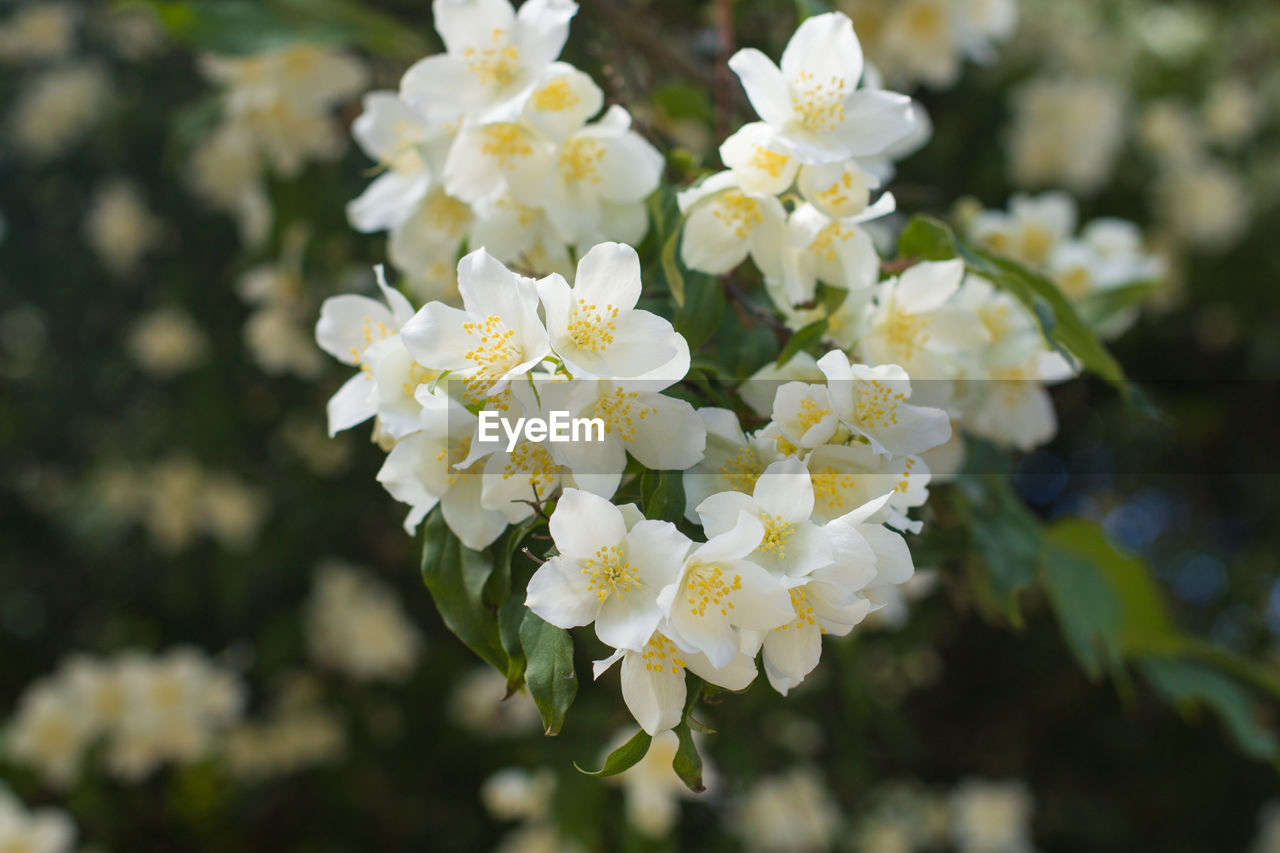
(723, 84)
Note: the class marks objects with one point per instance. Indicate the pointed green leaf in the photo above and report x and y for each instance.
(1186, 683)
(455, 576)
(549, 673)
(809, 336)
(926, 238)
(662, 495)
(624, 757)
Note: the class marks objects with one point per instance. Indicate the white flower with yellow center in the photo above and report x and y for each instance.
(846, 476)
(495, 57)
(827, 601)
(602, 165)
(662, 433)
(44, 830)
(916, 324)
(842, 190)
(873, 403)
(607, 571)
(719, 591)
(782, 501)
(805, 414)
(818, 248)
(596, 329)
(426, 468)
(813, 101)
(653, 679)
(760, 161)
(732, 462)
(487, 160)
(1031, 230)
(350, 328)
(401, 141)
(727, 222)
(494, 338)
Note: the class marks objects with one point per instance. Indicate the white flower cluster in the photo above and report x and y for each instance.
(502, 355)
(275, 332)
(145, 711)
(493, 143)
(1066, 132)
(57, 108)
(927, 41)
(175, 500)
(33, 831)
(276, 115)
(1107, 253)
(356, 626)
(820, 134)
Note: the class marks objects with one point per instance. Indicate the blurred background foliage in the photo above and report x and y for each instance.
(171, 484)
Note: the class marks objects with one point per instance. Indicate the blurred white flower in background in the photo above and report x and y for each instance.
(991, 817)
(793, 811)
(479, 703)
(295, 732)
(57, 108)
(514, 793)
(38, 32)
(166, 341)
(651, 789)
(1066, 132)
(119, 227)
(44, 830)
(357, 626)
(145, 710)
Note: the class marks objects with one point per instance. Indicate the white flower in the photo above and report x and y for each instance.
(761, 387)
(496, 337)
(58, 107)
(805, 414)
(597, 331)
(991, 817)
(607, 571)
(38, 831)
(653, 684)
(813, 102)
(355, 625)
(782, 501)
(394, 134)
(166, 342)
(603, 164)
(818, 248)
(1032, 229)
(731, 463)
(718, 591)
(792, 812)
(120, 228)
(514, 793)
(39, 31)
(426, 468)
(726, 223)
(51, 731)
(349, 328)
(662, 433)
(914, 324)
(872, 401)
(759, 159)
(1066, 132)
(495, 58)
(847, 476)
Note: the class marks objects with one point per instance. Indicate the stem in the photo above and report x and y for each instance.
(724, 88)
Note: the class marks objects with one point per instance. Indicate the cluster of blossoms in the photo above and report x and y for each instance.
(1106, 254)
(1065, 132)
(927, 41)
(175, 500)
(356, 626)
(275, 117)
(976, 816)
(33, 831)
(145, 711)
(494, 144)
(275, 332)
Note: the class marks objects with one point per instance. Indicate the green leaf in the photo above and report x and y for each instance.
(552, 681)
(624, 757)
(671, 266)
(807, 337)
(455, 576)
(928, 239)
(1008, 538)
(1145, 624)
(699, 317)
(662, 495)
(511, 614)
(1101, 305)
(687, 763)
(1087, 609)
(683, 100)
(232, 26)
(1186, 683)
